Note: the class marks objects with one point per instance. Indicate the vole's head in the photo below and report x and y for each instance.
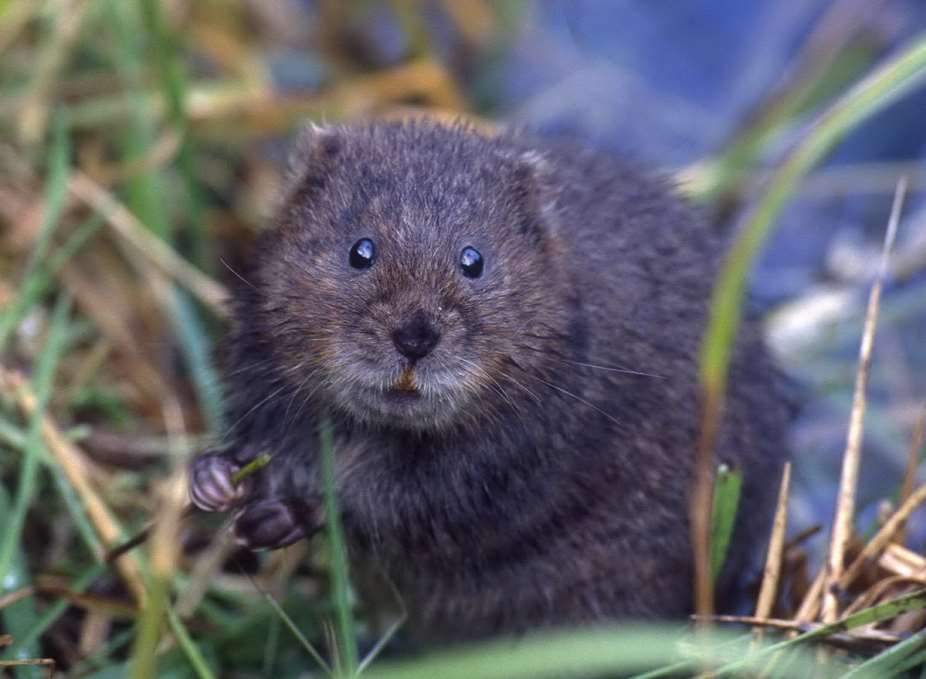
(414, 279)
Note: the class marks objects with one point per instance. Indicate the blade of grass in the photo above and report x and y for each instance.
(197, 351)
(340, 578)
(39, 281)
(885, 85)
(143, 661)
(51, 614)
(28, 472)
(869, 616)
(892, 661)
(292, 627)
(145, 189)
(188, 646)
(173, 81)
(17, 617)
(727, 487)
(54, 201)
(588, 653)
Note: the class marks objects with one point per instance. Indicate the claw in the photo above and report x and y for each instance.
(211, 485)
(272, 523)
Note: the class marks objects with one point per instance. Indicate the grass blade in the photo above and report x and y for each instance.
(188, 646)
(28, 472)
(723, 515)
(888, 83)
(55, 192)
(340, 578)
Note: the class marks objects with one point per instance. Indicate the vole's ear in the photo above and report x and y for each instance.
(535, 192)
(309, 163)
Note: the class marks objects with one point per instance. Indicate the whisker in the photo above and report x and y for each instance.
(567, 393)
(609, 368)
(237, 275)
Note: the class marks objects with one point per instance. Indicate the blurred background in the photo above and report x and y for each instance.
(141, 149)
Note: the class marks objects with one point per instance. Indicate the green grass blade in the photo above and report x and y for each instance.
(884, 86)
(143, 664)
(293, 627)
(16, 438)
(892, 661)
(51, 614)
(868, 616)
(727, 487)
(340, 577)
(188, 646)
(197, 352)
(55, 192)
(28, 471)
(145, 190)
(173, 81)
(16, 618)
(585, 653)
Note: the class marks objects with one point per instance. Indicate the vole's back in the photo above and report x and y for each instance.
(504, 332)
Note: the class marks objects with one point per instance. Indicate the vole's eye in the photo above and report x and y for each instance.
(362, 254)
(471, 262)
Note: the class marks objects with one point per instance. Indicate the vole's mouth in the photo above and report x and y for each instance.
(406, 383)
(410, 395)
(405, 388)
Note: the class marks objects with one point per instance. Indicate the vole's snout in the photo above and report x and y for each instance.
(416, 337)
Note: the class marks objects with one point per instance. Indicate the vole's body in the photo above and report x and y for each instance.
(538, 473)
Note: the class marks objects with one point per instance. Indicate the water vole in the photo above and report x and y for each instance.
(504, 332)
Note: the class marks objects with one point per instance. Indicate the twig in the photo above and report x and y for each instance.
(845, 507)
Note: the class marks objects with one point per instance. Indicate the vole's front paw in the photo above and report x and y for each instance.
(212, 487)
(274, 523)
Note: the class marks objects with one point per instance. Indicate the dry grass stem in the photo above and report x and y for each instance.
(11, 598)
(74, 465)
(899, 560)
(203, 572)
(810, 605)
(845, 507)
(880, 589)
(33, 115)
(913, 459)
(882, 538)
(776, 544)
(149, 246)
(700, 505)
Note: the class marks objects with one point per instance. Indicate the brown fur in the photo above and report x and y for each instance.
(540, 475)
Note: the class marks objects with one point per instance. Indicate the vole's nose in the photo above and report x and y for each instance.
(416, 337)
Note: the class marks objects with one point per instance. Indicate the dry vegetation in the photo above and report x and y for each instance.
(137, 157)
